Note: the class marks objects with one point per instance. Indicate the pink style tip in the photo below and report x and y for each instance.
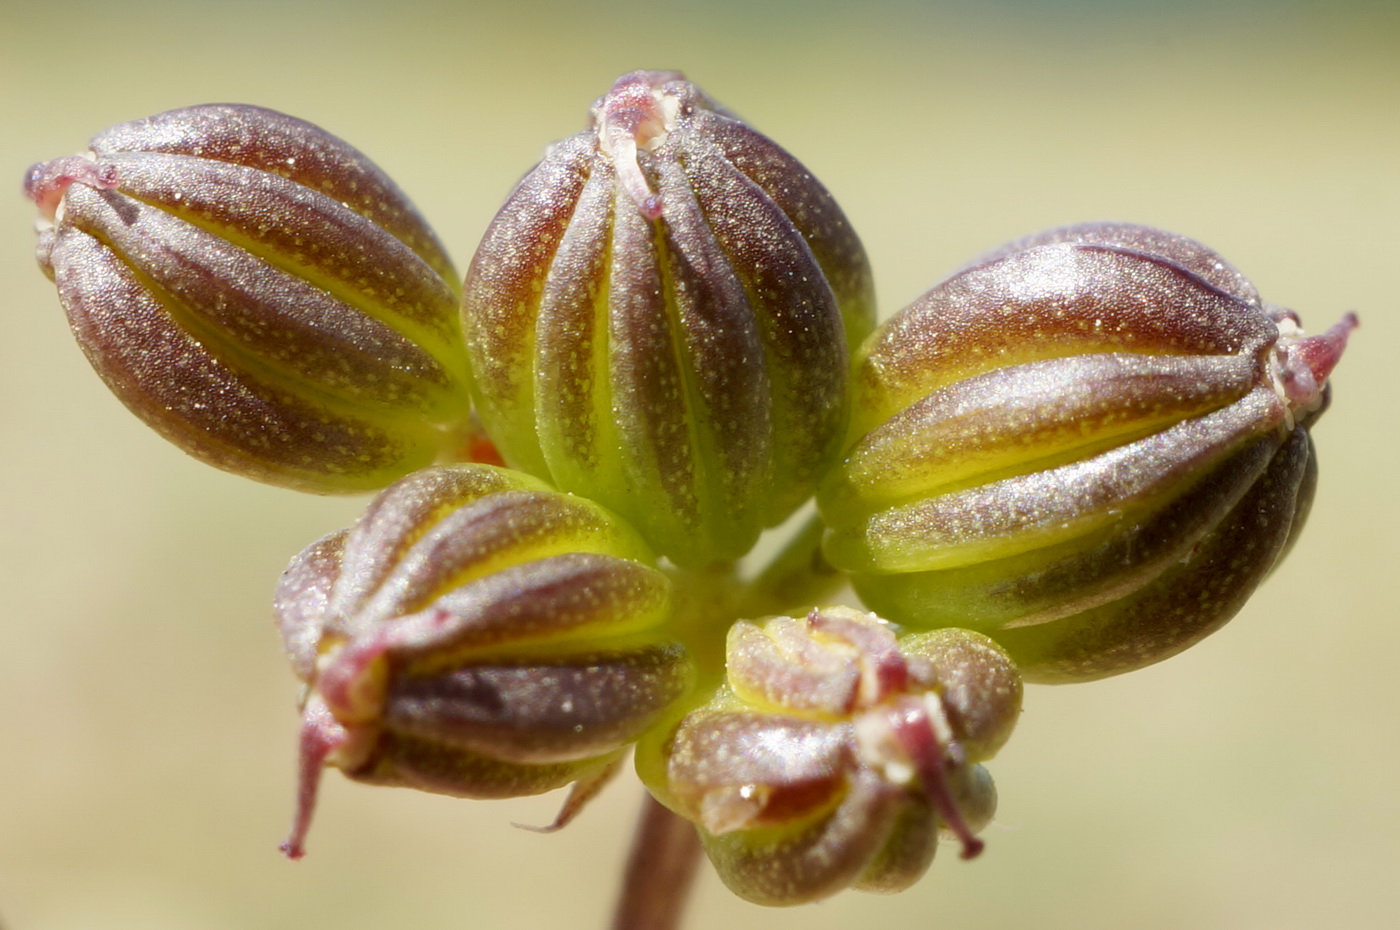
(46, 182)
(321, 735)
(1322, 352)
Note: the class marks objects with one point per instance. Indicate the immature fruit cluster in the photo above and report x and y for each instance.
(1076, 456)
(834, 753)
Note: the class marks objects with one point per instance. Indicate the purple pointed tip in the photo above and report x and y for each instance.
(1322, 352)
(914, 730)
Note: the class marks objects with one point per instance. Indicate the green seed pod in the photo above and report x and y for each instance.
(259, 293)
(480, 635)
(834, 755)
(1091, 445)
(658, 319)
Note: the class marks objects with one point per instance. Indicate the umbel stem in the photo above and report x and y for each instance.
(660, 871)
(798, 577)
(665, 847)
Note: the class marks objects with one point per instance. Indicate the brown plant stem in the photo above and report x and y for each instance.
(660, 870)
(665, 850)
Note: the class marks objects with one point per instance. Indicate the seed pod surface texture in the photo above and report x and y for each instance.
(834, 754)
(480, 635)
(658, 319)
(1091, 445)
(259, 293)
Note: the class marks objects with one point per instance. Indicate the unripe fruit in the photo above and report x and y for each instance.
(480, 635)
(658, 319)
(834, 754)
(1091, 445)
(259, 293)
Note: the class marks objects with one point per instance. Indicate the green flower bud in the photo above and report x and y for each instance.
(658, 319)
(259, 293)
(1091, 445)
(834, 755)
(480, 635)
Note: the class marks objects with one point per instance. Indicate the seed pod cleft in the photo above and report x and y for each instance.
(480, 635)
(259, 293)
(1091, 445)
(835, 754)
(658, 319)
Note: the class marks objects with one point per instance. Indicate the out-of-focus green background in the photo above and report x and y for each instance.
(146, 714)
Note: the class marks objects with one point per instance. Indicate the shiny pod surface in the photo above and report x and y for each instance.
(477, 634)
(1091, 445)
(260, 293)
(659, 316)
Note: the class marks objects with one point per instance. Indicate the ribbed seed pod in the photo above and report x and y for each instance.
(259, 293)
(480, 635)
(1091, 445)
(834, 755)
(658, 318)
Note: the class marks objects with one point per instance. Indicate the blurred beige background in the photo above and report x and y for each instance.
(146, 714)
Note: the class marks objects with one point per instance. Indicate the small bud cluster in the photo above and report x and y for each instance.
(835, 754)
(1078, 455)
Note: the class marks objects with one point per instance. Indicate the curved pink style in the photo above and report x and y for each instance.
(629, 117)
(321, 735)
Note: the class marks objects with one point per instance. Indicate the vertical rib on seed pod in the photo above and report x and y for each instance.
(259, 293)
(658, 318)
(1091, 444)
(480, 635)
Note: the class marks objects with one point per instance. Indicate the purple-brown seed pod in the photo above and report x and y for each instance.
(480, 635)
(1091, 445)
(259, 293)
(659, 319)
(834, 754)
